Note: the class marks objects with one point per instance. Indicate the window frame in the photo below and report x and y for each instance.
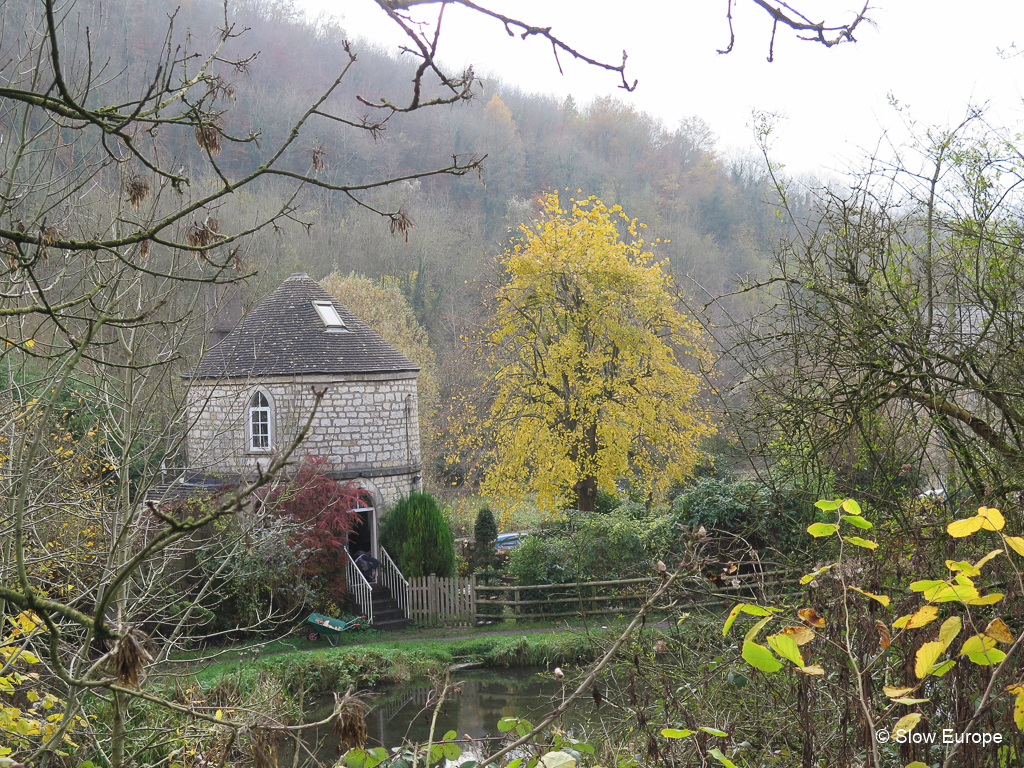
(328, 314)
(259, 402)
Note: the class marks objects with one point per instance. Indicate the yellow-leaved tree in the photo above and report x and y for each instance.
(595, 374)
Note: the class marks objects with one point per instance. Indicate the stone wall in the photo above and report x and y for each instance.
(367, 427)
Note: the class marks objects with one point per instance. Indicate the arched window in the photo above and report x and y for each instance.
(259, 423)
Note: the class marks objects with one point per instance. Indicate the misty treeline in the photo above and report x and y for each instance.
(672, 178)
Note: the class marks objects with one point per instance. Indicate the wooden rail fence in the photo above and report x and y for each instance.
(435, 600)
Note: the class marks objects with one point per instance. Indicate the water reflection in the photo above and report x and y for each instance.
(399, 714)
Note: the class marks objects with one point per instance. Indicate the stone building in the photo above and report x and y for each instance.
(253, 390)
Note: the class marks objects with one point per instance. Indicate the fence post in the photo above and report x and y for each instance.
(472, 600)
(432, 599)
(517, 601)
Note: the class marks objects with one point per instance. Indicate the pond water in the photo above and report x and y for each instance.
(397, 713)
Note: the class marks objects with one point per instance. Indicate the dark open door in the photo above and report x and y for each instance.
(362, 538)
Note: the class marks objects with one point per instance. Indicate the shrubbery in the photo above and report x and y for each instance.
(417, 537)
(764, 517)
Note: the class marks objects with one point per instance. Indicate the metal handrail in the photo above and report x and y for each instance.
(390, 576)
(361, 589)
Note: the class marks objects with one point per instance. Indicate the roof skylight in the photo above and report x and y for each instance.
(332, 320)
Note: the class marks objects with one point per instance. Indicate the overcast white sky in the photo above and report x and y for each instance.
(935, 56)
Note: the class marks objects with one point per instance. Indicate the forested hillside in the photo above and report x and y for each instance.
(440, 244)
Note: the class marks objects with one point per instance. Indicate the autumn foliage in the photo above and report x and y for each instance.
(593, 368)
(324, 507)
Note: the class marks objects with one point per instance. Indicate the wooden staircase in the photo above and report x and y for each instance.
(387, 613)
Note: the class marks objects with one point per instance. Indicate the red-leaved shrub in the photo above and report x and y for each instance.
(324, 508)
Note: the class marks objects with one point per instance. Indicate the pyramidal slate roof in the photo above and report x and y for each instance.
(286, 336)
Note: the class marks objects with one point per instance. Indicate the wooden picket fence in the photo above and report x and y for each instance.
(437, 600)
(456, 601)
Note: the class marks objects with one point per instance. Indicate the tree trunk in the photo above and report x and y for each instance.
(586, 494)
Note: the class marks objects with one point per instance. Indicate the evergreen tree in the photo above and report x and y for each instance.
(417, 536)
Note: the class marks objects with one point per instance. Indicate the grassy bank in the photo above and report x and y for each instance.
(313, 671)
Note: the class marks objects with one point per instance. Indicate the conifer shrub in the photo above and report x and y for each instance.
(418, 538)
(485, 532)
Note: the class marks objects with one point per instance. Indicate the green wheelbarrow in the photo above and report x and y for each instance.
(318, 625)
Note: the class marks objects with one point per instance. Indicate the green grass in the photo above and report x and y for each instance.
(301, 667)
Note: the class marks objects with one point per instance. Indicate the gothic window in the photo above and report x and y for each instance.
(259, 423)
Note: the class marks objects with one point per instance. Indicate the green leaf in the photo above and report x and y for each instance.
(450, 750)
(786, 647)
(449, 736)
(851, 506)
(993, 656)
(753, 610)
(857, 522)
(817, 530)
(753, 632)
(717, 754)
(940, 669)
(858, 541)
(760, 657)
(826, 506)
(676, 733)
(714, 731)
(808, 578)
(361, 758)
(924, 586)
(506, 724)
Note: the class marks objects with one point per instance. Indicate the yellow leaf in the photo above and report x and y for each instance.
(880, 598)
(810, 616)
(1016, 544)
(949, 630)
(977, 644)
(30, 343)
(922, 616)
(958, 529)
(954, 592)
(917, 764)
(987, 557)
(906, 724)
(813, 669)
(997, 629)
(894, 692)
(800, 635)
(858, 541)
(940, 669)
(926, 657)
(966, 568)
(909, 701)
(992, 519)
(990, 599)
(1018, 710)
